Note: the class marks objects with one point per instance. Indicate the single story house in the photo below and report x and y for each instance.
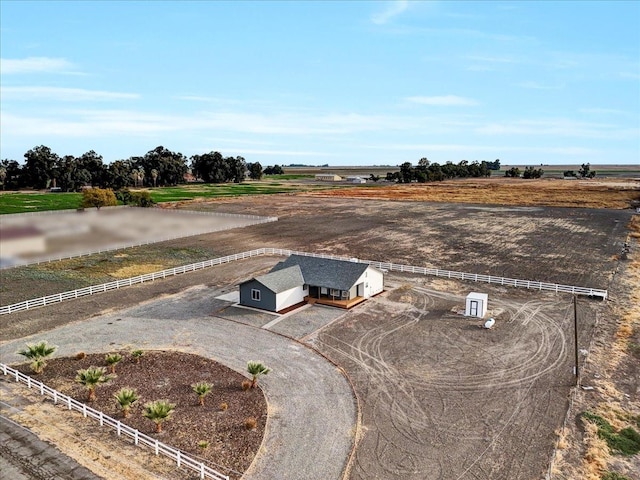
(299, 279)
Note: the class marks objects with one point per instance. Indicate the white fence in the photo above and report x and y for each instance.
(255, 220)
(511, 282)
(181, 459)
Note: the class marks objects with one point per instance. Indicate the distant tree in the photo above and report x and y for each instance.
(586, 172)
(40, 167)
(569, 173)
(210, 167)
(512, 172)
(374, 178)
(154, 176)
(407, 173)
(119, 174)
(237, 169)
(13, 174)
(494, 165)
(530, 172)
(255, 170)
(170, 166)
(3, 175)
(275, 170)
(98, 197)
(392, 177)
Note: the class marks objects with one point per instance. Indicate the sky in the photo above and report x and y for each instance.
(326, 82)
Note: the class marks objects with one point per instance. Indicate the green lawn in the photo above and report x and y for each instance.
(38, 202)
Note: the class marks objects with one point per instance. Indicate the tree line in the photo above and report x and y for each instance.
(159, 167)
(426, 171)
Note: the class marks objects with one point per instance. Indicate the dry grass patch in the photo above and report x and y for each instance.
(502, 191)
(135, 270)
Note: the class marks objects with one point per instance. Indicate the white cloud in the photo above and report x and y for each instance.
(444, 101)
(10, 66)
(559, 127)
(62, 94)
(392, 9)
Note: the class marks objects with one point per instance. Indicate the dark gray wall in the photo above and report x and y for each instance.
(267, 297)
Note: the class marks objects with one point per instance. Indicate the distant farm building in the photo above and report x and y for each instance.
(299, 279)
(476, 305)
(328, 177)
(356, 180)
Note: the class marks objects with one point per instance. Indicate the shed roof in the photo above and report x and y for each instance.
(282, 280)
(478, 296)
(324, 272)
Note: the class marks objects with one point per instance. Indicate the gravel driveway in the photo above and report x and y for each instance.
(312, 409)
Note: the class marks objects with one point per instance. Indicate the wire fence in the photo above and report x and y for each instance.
(140, 439)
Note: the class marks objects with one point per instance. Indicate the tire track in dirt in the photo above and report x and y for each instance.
(418, 409)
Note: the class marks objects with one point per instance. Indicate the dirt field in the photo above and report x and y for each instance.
(443, 398)
(506, 191)
(440, 397)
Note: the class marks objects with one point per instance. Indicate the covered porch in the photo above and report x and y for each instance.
(340, 303)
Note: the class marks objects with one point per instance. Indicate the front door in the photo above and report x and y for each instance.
(473, 308)
(360, 290)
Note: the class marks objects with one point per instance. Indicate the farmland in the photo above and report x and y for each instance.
(437, 394)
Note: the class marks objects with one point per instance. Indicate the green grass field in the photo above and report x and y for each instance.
(38, 202)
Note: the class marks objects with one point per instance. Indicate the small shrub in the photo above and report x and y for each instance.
(112, 360)
(625, 442)
(224, 406)
(250, 423)
(137, 354)
(203, 444)
(613, 476)
(246, 385)
(80, 355)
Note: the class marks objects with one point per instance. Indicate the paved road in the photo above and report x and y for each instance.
(312, 410)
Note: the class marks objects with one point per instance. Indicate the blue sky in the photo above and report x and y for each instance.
(343, 83)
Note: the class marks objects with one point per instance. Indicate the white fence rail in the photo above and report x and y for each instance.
(181, 459)
(511, 282)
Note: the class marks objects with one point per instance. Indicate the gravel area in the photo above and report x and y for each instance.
(301, 440)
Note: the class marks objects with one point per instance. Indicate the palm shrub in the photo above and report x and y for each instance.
(158, 411)
(112, 360)
(90, 378)
(202, 389)
(38, 353)
(126, 397)
(256, 369)
(137, 354)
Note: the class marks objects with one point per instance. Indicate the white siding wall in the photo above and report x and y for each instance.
(373, 280)
(290, 297)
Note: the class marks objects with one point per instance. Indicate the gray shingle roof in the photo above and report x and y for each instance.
(282, 280)
(323, 272)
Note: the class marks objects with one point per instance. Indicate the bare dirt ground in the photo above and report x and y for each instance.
(443, 398)
(476, 403)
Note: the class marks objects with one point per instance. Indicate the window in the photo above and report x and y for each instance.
(255, 295)
(323, 290)
(335, 293)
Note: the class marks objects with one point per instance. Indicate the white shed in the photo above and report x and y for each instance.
(476, 305)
